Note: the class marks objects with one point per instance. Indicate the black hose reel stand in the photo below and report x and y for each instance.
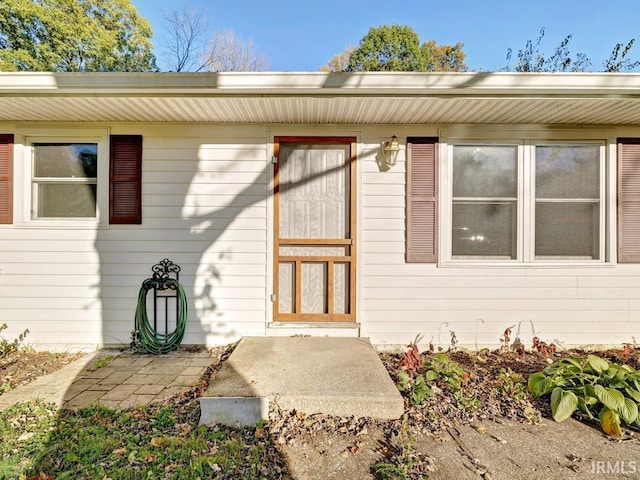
(167, 293)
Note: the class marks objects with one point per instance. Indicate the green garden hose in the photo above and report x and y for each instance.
(146, 338)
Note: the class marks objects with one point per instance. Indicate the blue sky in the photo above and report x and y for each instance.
(302, 35)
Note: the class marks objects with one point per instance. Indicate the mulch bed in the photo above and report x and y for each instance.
(24, 366)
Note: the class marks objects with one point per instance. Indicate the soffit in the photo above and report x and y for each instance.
(323, 99)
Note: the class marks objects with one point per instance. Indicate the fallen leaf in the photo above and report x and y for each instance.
(156, 442)
(25, 436)
(186, 430)
(479, 428)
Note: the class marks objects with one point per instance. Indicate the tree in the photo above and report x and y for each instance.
(339, 62)
(397, 48)
(227, 53)
(617, 61)
(74, 36)
(183, 40)
(444, 58)
(530, 59)
(191, 45)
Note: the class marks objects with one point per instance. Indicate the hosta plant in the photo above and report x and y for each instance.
(604, 391)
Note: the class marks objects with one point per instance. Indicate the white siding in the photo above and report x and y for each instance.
(397, 301)
(206, 206)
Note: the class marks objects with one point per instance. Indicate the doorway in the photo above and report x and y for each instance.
(314, 229)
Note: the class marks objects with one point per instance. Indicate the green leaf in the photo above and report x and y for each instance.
(71, 457)
(617, 372)
(629, 411)
(420, 392)
(633, 394)
(441, 358)
(563, 404)
(576, 362)
(610, 397)
(597, 363)
(403, 380)
(539, 384)
(610, 422)
(431, 375)
(584, 407)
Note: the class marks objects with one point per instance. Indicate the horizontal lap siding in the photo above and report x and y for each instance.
(398, 300)
(204, 197)
(204, 207)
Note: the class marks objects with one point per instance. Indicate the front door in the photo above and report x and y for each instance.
(314, 206)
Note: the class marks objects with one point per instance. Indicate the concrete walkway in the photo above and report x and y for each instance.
(115, 379)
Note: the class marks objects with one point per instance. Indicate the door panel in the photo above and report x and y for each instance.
(314, 202)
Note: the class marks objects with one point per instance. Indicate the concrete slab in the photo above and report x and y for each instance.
(245, 411)
(331, 375)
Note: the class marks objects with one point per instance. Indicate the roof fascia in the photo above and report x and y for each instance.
(391, 84)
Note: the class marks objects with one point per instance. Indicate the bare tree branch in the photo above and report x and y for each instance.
(228, 53)
(191, 46)
(183, 39)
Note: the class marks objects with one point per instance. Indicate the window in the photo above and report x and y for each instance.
(525, 202)
(485, 200)
(64, 180)
(568, 203)
(78, 178)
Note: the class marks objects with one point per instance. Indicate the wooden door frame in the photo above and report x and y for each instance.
(350, 242)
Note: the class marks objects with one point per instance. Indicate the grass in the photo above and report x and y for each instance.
(154, 442)
(101, 362)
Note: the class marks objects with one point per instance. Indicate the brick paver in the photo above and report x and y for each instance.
(127, 380)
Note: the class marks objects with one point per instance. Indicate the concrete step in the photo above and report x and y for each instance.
(313, 329)
(331, 375)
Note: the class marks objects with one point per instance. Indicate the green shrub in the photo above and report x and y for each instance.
(9, 346)
(403, 462)
(604, 391)
(441, 372)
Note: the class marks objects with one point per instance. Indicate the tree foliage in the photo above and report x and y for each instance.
(618, 61)
(339, 62)
(444, 58)
(190, 45)
(74, 36)
(398, 48)
(531, 59)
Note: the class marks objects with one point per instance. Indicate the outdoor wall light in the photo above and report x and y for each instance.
(391, 149)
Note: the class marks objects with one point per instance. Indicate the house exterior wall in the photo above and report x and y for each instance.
(207, 207)
(204, 207)
(562, 304)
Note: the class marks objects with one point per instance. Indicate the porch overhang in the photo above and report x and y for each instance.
(323, 98)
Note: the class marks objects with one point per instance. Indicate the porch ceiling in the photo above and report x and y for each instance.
(318, 98)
